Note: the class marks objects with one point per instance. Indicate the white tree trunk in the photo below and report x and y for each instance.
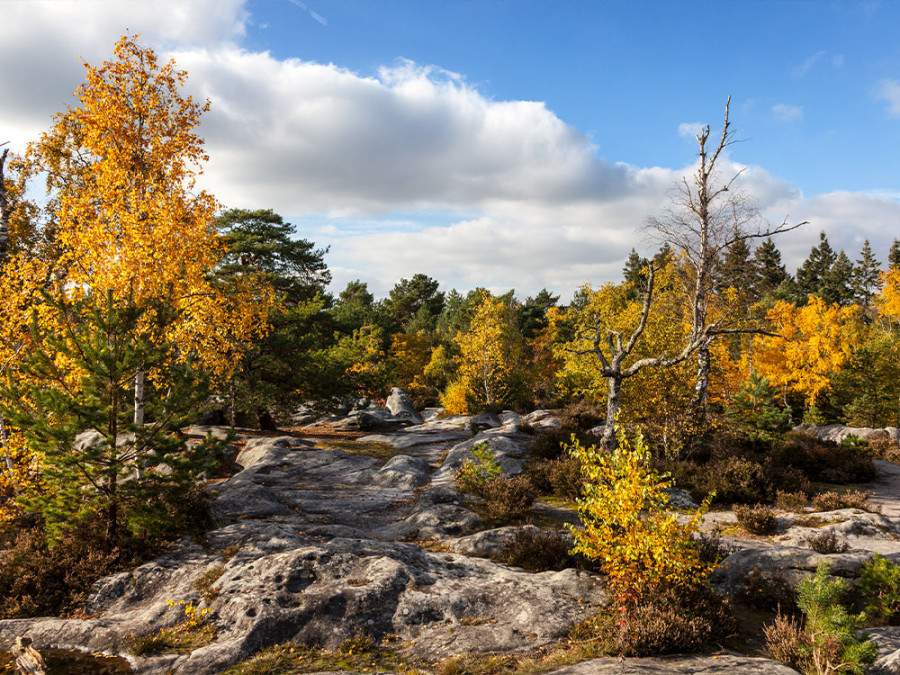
(139, 398)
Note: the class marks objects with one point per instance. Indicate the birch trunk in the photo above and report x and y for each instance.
(139, 398)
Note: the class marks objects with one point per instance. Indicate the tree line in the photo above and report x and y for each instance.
(130, 302)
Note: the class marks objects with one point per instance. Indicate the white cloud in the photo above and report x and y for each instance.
(320, 138)
(410, 170)
(785, 112)
(811, 61)
(42, 44)
(889, 90)
(690, 129)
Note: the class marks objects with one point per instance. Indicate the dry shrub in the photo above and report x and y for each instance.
(683, 620)
(560, 477)
(711, 548)
(885, 448)
(507, 500)
(827, 543)
(538, 550)
(566, 479)
(768, 591)
(791, 501)
(787, 642)
(36, 580)
(581, 416)
(759, 519)
(552, 443)
(832, 501)
(739, 480)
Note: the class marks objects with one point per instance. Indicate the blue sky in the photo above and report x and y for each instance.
(805, 75)
(499, 143)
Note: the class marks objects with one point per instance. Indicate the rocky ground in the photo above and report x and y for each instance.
(320, 542)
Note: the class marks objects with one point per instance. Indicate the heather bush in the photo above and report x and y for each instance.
(827, 543)
(759, 519)
(538, 550)
(768, 591)
(791, 501)
(507, 500)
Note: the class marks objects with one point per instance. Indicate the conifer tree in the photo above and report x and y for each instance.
(866, 276)
(770, 270)
(287, 366)
(811, 277)
(837, 283)
(894, 255)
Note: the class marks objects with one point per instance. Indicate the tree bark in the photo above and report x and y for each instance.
(5, 207)
(609, 440)
(139, 398)
(10, 467)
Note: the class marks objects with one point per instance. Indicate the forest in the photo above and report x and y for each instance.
(133, 304)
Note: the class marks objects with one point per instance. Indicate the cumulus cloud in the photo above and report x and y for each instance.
(408, 170)
(784, 112)
(321, 138)
(690, 129)
(45, 41)
(889, 90)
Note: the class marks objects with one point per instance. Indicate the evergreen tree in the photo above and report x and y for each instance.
(894, 255)
(286, 367)
(414, 301)
(532, 314)
(866, 276)
(635, 273)
(837, 282)
(738, 270)
(811, 277)
(771, 272)
(78, 378)
(355, 307)
(260, 241)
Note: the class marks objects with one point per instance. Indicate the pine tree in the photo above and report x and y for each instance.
(286, 367)
(533, 312)
(811, 275)
(72, 396)
(894, 255)
(866, 276)
(837, 282)
(738, 270)
(769, 268)
(635, 274)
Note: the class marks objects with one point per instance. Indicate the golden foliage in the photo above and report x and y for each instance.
(121, 176)
(491, 353)
(889, 303)
(640, 547)
(811, 343)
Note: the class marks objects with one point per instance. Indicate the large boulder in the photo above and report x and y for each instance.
(401, 406)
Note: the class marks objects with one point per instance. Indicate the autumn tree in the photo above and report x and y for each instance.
(491, 354)
(5, 204)
(134, 244)
(287, 366)
(616, 337)
(709, 216)
(808, 345)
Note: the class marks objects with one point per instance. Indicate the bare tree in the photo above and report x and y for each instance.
(5, 205)
(611, 349)
(707, 218)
